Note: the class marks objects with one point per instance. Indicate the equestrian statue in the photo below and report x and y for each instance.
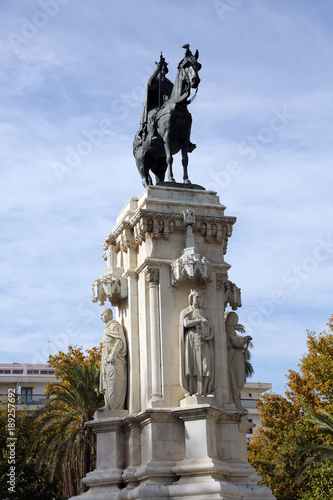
(165, 124)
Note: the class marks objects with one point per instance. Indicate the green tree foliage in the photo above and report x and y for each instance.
(64, 441)
(286, 426)
(29, 482)
(54, 448)
(320, 484)
(317, 452)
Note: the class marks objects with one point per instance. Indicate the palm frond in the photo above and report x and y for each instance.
(317, 452)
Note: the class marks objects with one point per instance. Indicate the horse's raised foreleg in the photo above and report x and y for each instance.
(185, 162)
(169, 159)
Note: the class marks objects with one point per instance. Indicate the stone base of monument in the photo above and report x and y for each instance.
(193, 452)
(182, 435)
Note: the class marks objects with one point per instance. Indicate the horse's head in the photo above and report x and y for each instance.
(190, 68)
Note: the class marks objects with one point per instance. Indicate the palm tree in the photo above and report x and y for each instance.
(65, 442)
(319, 452)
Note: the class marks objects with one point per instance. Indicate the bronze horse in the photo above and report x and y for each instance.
(173, 127)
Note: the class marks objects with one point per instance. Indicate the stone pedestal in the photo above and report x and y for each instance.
(169, 444)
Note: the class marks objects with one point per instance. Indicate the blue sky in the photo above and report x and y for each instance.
(73, 75)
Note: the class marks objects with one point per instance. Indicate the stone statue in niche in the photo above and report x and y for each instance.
(237, 349)
(113, 377)
(197, 348)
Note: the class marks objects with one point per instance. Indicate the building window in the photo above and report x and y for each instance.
(33, 372)
(51, 372)
(7, 371)
(43, 372)
(250, 431)
(17, 372)
(26, 395)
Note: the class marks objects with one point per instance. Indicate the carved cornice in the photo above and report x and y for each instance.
(215, 232)
(211, 219)
(139, 225)
(154, 214)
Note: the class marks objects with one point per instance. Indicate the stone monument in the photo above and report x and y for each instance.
(177, 430)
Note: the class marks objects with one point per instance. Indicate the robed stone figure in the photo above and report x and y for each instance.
(237, 347)
(197, 350)
(113, 375)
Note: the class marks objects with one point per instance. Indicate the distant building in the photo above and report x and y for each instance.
(249, 396)
(28, 380)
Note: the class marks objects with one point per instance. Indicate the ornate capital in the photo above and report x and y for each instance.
(152, 276)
